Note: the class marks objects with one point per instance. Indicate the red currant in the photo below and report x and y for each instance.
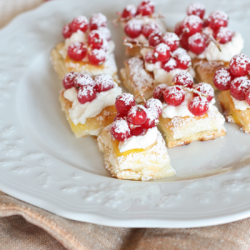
(120, 130)
(159, 90)
(79, 23)
(184, 41)
(149, 28)
(95, 39)
(77, 51)
(120, 117)
(183, 79)
(178, 29)
(222, 79)
(196, 9)
(67, 32)
(172, 40)
(68, 80)
(97, 56)
(146, 8)
(124, 102)
(205, 89)
(105, 32)
(137, 115)
(191, 25)
(239, 65)
(86, 94)
(223, 35)
(149, 57)
(169, 65)
(197, 43)
(97, 20)
(183, 60)
(137, 131)
(104, 83)
(247, 97)
(218, 19)
(198, 106)
(162, 52)
(174, 96)
(133, 28)
(239, 86)
(155, 105)
(82, 79)
(129, 11)
(154, 39)
(152, 119)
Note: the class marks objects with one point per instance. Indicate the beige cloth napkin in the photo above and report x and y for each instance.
(23, 226)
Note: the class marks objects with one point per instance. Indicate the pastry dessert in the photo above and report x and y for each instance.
(209, 42)
(139, 23)
(157, 64)
(133, 147)
(87, 48)
(235, 95)
(188, 112)
(89, 102)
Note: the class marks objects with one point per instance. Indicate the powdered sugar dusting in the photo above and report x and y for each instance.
(105, 32)
(205, 88)
(83, 20)
(162, 48)
(199, 101)
(121, 126)
(197, 36)
(183, 77)
(154, 104)
(222, 76)
(176, 91)
(84, 79)
(218, 15)
(105, 80)
(179, 51)
(131, 8)
(99, 19)
(194, 7)
(99, 53)
(170, 37)
(192, 20)
(127, 98)
(134, 24)
(88, 90)
(140, 77)
(244, 83)
(241, 60)
(224, 32)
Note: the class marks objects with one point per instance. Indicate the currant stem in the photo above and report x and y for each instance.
(211, 38)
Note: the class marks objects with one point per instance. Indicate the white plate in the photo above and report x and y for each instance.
(42, 163)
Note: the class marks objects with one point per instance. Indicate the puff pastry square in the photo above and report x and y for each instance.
(94, 125)
(240, 117)
(136, 164)
(180, 131)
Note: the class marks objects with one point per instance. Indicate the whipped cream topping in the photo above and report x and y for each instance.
(80, 36)
(240, 105)
(141, 141)
(80, 112)
(228, 50)
(181, 110)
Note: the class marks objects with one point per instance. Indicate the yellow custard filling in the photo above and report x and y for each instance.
(131, 151)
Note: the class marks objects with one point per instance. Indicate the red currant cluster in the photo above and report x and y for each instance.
(235, 78)
(145, 8)
(133, 119)
(195, 32)
(203, 93)
(98, 36)
(87, 88)
(166, 52)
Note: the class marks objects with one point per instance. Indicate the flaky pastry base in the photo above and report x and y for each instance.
(94, 125)
(153, 163)
(205, 70)
(63, 66)
(180, 131)
(240, 117)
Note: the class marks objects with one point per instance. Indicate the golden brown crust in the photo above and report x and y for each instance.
(92, 124)
(205, 70)
(240, 117)
(134, 51)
